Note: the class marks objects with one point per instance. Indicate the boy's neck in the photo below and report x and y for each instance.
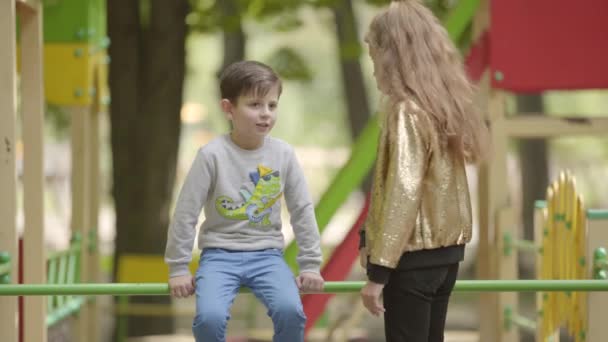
(246, 144)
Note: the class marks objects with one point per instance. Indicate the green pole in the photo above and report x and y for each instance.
(135, 289)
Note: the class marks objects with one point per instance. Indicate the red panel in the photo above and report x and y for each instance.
(549, 44)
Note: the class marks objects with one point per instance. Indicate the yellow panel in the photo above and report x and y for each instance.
(146, 269)
(68, 73)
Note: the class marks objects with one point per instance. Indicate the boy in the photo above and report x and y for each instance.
(239, 179)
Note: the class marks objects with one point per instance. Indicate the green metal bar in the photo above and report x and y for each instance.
(523, 245)
(69, 308)
(73, 261)
(74, 246)
(5, 267)
(70, 277)
(51, 279)
(61, 279)
(600, 263)
(597, 214)
(518, 320)
(134, 289)
(592, 214)
(523, 322)
(540, 204)
(460, 17)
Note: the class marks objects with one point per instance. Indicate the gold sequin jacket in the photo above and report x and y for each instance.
(420, 196)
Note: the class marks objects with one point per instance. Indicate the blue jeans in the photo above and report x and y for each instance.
(219, 277)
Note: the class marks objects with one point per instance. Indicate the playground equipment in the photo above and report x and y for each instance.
(74, 37)
(569, 243)
(495, 61)
(69, 61)
(30, 25)
(556, 57)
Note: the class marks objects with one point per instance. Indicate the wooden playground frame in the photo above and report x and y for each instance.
(85, 169)
(30, 14)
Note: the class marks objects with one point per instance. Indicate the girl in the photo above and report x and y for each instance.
(420, 213)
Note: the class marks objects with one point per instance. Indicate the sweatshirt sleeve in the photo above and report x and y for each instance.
(182, 230)
(302, 214)
(401, 164)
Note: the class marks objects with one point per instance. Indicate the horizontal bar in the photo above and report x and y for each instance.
(135, 289)
(597, 214)
(592, 214)
(546, 126)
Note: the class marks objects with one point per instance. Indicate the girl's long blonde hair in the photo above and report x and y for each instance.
(414, 58)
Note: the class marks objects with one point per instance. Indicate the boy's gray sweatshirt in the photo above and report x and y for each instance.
(240, 191)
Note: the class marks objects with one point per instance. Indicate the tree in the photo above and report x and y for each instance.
(146, 79)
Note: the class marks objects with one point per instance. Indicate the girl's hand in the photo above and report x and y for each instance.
(370, 294)
(310, 282)
(181, 286)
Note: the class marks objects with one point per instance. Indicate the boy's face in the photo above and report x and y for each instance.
(252, 117)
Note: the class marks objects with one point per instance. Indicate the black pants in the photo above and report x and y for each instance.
(416, 303)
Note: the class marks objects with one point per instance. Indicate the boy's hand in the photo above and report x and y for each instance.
(310, 282)
(363, 257)
(181, 286)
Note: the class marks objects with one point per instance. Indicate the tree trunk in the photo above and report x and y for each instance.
(353, 84)
(234, 36)
(534, 164)
(146, 81)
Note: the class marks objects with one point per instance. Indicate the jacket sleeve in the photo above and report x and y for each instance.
(401, 165)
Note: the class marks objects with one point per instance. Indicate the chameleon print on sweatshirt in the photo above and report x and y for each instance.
(255, 207)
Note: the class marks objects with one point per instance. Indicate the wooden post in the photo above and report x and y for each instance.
(489, 323)
(497, 200)
(597, 302)
(8, 177)
(79, 224)
(32, 104)
(93, 213)
(505, 223)
(539, 226)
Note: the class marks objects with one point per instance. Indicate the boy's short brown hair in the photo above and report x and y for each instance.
(247, 77)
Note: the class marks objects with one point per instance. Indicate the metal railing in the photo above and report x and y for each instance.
(63, 269)
(135, 289)
(5, 268)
